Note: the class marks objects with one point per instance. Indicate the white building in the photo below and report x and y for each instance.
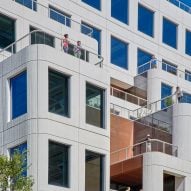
(85, 121)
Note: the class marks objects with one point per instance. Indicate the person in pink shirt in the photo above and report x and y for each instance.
(65, 43)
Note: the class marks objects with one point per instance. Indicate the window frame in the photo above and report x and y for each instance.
(96, 8)
(186, 50)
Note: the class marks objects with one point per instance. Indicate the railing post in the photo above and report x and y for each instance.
(163, 147)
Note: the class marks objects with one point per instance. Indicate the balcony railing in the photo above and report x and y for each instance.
(150, 145)
(181, 5)
(25, 41)
(128, 97)
(61, 18)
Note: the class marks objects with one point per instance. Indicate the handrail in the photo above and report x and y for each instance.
(140, 101)
(48, 15)
(6, 53)
(138, 149)
(181, 5)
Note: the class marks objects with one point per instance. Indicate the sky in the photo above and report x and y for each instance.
(187, 2)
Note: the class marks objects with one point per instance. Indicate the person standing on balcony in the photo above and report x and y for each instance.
(178, 94)
(65, 43)
(153, 62)
(77, 49)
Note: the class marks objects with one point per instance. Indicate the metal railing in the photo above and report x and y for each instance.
(60, 17)
(150, 145)
(127, 96)
(181, 5)
(39, 37)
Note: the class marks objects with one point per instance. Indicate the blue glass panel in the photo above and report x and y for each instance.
(119, 10)
(119, 53)
(145, 20)
(166, 91)
(188, 42)
(169, 33)
(93, 3)
(142, 58)
(31, 4)
(21, 149)
(19, 94)
(188, 75)
(186, 98)
(96, 34)
(168, 67)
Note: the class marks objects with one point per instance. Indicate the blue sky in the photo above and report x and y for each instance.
(188, 2)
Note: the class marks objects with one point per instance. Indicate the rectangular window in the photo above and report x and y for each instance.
(58, 167)
(166, 91)
(186, 98)
(96, 34)
(188, 43)
(146, 20)
(143, 61)
(31, 4)
(168, 182)
(7, 31)
(21, 149)
(18, 86)
(169, 67)
(41, 38)
(95, 3)
(170, 33)
(58, 93)
(119, 10)
(94, 180)
(94, 105)
(187, 75)
(60, 16)
(119, 53)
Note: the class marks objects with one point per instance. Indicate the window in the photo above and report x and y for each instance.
(41, 38)
(119, 10)
(146, 20)
(186, 98)
(188, 42)
(166, 91)
(96, 34)
(119, 53)
(94, 105)
(95, 3)
(170, 33)
(94, 180)
(60, 16)
(7, 31)
(169, 67)
(58, 167)
(187, 75)
(168, 182)
(58, 93)
(143, 61)
(31, 4)
(18, 85)
(21, 149)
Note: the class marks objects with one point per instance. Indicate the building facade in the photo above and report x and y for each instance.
(113, 113)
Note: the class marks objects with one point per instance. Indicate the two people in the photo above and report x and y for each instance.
(77, 49)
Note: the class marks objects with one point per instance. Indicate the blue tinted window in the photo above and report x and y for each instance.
(187, 75)
(169, 33)
(96, 34)
(119, 10)
(166, 91)
(19, 94)
(188, 42)
(94, 3)
(31, 4)
(119, 53)
(60, 17)
(143, 59)
(186, 98)
(145, 20)
(21, 149)
(168, 67)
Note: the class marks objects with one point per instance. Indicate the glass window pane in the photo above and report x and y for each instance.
(58, 168)
(166, 91)
(21, 149)
(85, 29)
(58, 93)
(31, 4)
(119, 10)
(19, 94)
(119, 53)
(186, 98)
(188, 42)
(187, 75)
(145, 20)
(169, 67)
(94, 172)
(169, 33)
(95, 3)
(7, 31)
(94, 105)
